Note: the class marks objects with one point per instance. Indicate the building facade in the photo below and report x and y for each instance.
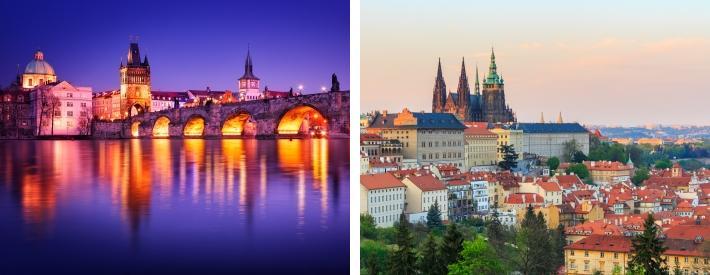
(382, 197)
(480, 147)
(508, 136)
(487, 105)
(163, 100)
(430, 138)
(423, 192)
(548, 139)
(62, 109)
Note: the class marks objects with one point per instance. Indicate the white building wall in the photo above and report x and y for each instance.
(73, 114)
(385, 205)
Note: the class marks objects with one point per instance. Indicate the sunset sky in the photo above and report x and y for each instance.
(600, 62)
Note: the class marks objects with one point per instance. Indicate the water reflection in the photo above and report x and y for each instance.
(138, 175)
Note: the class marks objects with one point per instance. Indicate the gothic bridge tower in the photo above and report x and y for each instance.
(135, 83)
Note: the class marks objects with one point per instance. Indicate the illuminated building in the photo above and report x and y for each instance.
(133, 96)
(38, 72)
(249, 83)
(62, 109)
(163, 100)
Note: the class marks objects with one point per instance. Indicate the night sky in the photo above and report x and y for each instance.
(189, 45)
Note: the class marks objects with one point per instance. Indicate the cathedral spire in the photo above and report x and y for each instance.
(493, 77)
(463, 89)
(478, 85)
(439, 94)
(559, 118)
(134, 55)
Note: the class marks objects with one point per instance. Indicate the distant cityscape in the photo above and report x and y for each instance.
(470, 166)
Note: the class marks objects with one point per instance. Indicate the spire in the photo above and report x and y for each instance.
(248, 67)
(463, 89)
(492, 70)
(439, 94)
(134, 55)
(559, 118)
(478, 86)
(145, 60)
(39, 55)
(542, 118)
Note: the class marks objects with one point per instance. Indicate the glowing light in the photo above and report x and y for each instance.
(235, 125)
(135, 129)
(302, 120)
(161, 127)
(300, 87)
(322, 88)
(194, 127)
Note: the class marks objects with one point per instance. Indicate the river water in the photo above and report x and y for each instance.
(174, 206)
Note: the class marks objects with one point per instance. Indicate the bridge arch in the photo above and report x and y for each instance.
(135, 129)
(239, 124)
(136, 109)
(194, 126)
(161, 127)
(302, 120)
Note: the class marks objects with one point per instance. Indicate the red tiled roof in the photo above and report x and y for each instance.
(380, 181)
(689, 230)
(427, 183)
(598, 227)
(478, 129)
(550, 186)
(524, 198)
(602, 243)
(373, 137)
(458, 182)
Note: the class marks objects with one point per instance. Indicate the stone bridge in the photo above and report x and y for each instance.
(322, 114)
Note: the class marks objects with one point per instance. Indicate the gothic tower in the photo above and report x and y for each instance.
(494, 107)
(439, 97)
(135, 83)
(464, 94)
(249, 83)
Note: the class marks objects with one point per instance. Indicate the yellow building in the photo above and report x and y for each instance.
(598, 253)
(609, 172)
(550, 212)
(481, 146)
(509, 137)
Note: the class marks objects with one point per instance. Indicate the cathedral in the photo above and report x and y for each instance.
(487, 105)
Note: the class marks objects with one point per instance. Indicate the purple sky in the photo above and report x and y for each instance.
(189, 45)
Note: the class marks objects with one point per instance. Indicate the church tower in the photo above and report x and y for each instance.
(464, 94)
(135, 83)
(494, 107)
(439, 97)
(249, 83)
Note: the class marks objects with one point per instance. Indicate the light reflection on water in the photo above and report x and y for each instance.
(234, 200)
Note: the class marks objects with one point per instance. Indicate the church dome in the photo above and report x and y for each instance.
(39, 66)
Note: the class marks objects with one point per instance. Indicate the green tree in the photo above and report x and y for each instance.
(510, 157)
(367, 227)
(648, 248)
(559, 240)
(452, 245)
(663, 164)
(533, 245)
(578, 157)
(477, 257)
(430, 261)
(433, 217)
(578, 169)
(553, 163)
(691, 164)
(640, 175)
(374, 256)
(403, 260)
(568, 149)
(495, 233)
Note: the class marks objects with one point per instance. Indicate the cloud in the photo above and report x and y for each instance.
(675, 43)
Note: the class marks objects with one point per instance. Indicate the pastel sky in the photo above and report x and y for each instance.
(597, 62)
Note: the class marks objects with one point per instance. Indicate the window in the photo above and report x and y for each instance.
(586, 253)
(57, 113)
(70, 104)
(70, 95)
(70, 113)
(601, 254)
(83, 104)
(29, 82)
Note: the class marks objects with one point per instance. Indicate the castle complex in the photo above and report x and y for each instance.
(488, 106)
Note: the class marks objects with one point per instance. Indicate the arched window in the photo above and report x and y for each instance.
(29, 82)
